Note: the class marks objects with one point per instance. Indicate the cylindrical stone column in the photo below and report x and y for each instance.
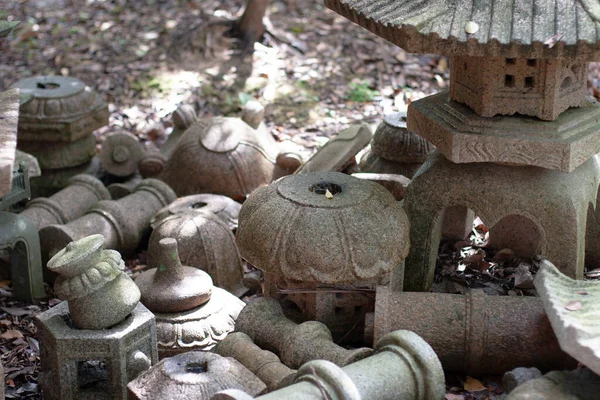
(262, 319)
(122, 222)
(404, 367)
(262, 363)
(474, 333)
(68, 204)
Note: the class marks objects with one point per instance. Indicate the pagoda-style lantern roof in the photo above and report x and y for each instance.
(488, 28)
(517, 58)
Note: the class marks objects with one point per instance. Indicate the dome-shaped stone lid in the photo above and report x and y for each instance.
(520, 28)
(194, 375)
(171, 287)
(223, 207)
(221, 135)
(324, 227)
(76, 255)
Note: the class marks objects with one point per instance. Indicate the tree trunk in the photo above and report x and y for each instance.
(250, 26)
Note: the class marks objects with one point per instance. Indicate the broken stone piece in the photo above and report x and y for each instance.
(68, 204)
(172, 287)
(182, 118)
(486, 335)
(9, 109)
(122, 222)
(339, 151)
(63, 109)
(580, 384)
(263, 363)
(120, 154)
(221, 156)
(33, 167)
(92, 280)
(205, 242)
(222, 206)
(404, 367)
(518, 376)
(86, 364)
(193, 375)
(263, 321)
(571, 306)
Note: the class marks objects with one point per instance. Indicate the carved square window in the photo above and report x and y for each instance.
(509, 81)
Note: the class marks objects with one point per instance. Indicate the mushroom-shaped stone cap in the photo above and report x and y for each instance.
(194, 375)
(324, 227)
(540, 29)
(77, 256)
(171, 287)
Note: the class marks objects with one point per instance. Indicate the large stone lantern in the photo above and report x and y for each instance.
(515, 134)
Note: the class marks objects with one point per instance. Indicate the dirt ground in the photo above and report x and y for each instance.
(315, 72)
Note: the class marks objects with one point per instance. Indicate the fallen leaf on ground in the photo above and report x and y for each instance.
(574, 305)
(473, 385)
(11, 334)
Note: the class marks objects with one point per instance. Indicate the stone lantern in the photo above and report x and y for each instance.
(515, 134)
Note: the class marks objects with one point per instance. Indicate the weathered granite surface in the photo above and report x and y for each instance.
(92, 280)
(525, 29)
(205, 242)
(580, 384)
(263, 363)
(403, 367)
(68, 204)
(63, 109)
(464, 137)
(572, 306)
(93, 364)
(474, 333)
(262, 320)
(222, 206)
(494, 192)
(339, 151)
(120, 154)
(193, 375)
(58, 155)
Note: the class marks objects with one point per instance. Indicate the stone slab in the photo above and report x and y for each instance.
(464, 137)
(572, 307)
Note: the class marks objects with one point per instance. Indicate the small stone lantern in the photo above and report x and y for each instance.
(516, 137)
(324, 240)
(101, 338)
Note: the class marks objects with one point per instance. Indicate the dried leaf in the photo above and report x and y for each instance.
(11, 334)
(574, 305)
(473, 385)
(328, 194)
(523, 277)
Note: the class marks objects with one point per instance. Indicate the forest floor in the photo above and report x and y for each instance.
(314, 71)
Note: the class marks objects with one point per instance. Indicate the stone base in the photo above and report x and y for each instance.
(93, 364)
(553, 204)
(465, 137)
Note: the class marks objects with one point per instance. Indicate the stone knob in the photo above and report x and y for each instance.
(172, 287)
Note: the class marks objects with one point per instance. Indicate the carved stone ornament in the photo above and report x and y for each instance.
(63, 109)
(222, 156)
(324, 227)
(193, 375)
(190, 313)
(222, 206)
(205, 242)
(92, 280)
(120, 154)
